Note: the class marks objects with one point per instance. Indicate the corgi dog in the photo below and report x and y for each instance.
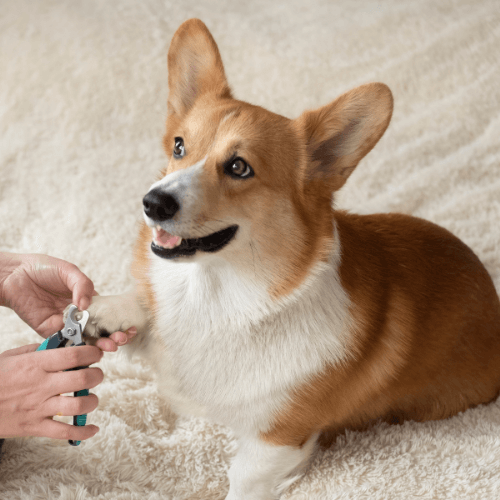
(265, 309)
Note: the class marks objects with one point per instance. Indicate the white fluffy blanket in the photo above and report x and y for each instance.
(83, 90)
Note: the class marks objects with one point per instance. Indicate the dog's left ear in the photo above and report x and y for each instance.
(194, 67)
(341, 133)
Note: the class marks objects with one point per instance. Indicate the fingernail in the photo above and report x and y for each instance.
(132, 330)
(121, 337)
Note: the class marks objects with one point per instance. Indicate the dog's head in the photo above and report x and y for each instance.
(245, 184)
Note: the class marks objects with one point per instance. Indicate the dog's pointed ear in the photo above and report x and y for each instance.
(341, 133)
(194, 67)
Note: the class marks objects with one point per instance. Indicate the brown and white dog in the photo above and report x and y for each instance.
(263, 308)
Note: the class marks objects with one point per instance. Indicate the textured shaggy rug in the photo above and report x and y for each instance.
(83, 91)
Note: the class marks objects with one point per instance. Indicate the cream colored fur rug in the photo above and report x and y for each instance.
(83, 90)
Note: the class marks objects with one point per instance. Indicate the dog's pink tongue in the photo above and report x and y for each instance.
(166, 239)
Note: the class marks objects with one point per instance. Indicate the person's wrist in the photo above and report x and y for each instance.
(8, 263)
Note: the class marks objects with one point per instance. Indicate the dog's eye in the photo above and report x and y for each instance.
(179, 150)
(239, 168)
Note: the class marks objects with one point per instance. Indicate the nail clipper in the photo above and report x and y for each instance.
(72, 332)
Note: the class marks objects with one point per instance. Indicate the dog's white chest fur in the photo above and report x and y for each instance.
(233, 354)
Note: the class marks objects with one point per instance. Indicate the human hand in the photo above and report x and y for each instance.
(39, 287)
(31, 387)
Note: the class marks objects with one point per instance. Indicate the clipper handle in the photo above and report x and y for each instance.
(72, 331)
(52, 342)
(79, 420)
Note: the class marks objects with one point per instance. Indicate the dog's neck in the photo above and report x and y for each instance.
(232, 294)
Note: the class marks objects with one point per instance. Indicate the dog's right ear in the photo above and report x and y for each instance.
(194, 67)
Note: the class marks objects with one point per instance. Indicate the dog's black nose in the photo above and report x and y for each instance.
(160, 206)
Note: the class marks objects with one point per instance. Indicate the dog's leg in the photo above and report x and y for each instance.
(262, 471)
(112, 313)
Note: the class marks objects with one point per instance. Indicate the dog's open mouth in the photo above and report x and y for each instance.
(168, 246)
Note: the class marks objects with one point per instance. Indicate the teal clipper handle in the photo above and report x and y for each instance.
(44, 344)
(79, 420)
(53, 342)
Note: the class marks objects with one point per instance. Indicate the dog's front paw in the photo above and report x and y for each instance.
(107, 314)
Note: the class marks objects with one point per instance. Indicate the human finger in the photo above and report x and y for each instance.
(122, 338)
(105, 344)
(51, 325)
(81, 286)
(60, 430)
(70, 405)
(115, 340)
(57, 360)
(24, 349)
(75, 380)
